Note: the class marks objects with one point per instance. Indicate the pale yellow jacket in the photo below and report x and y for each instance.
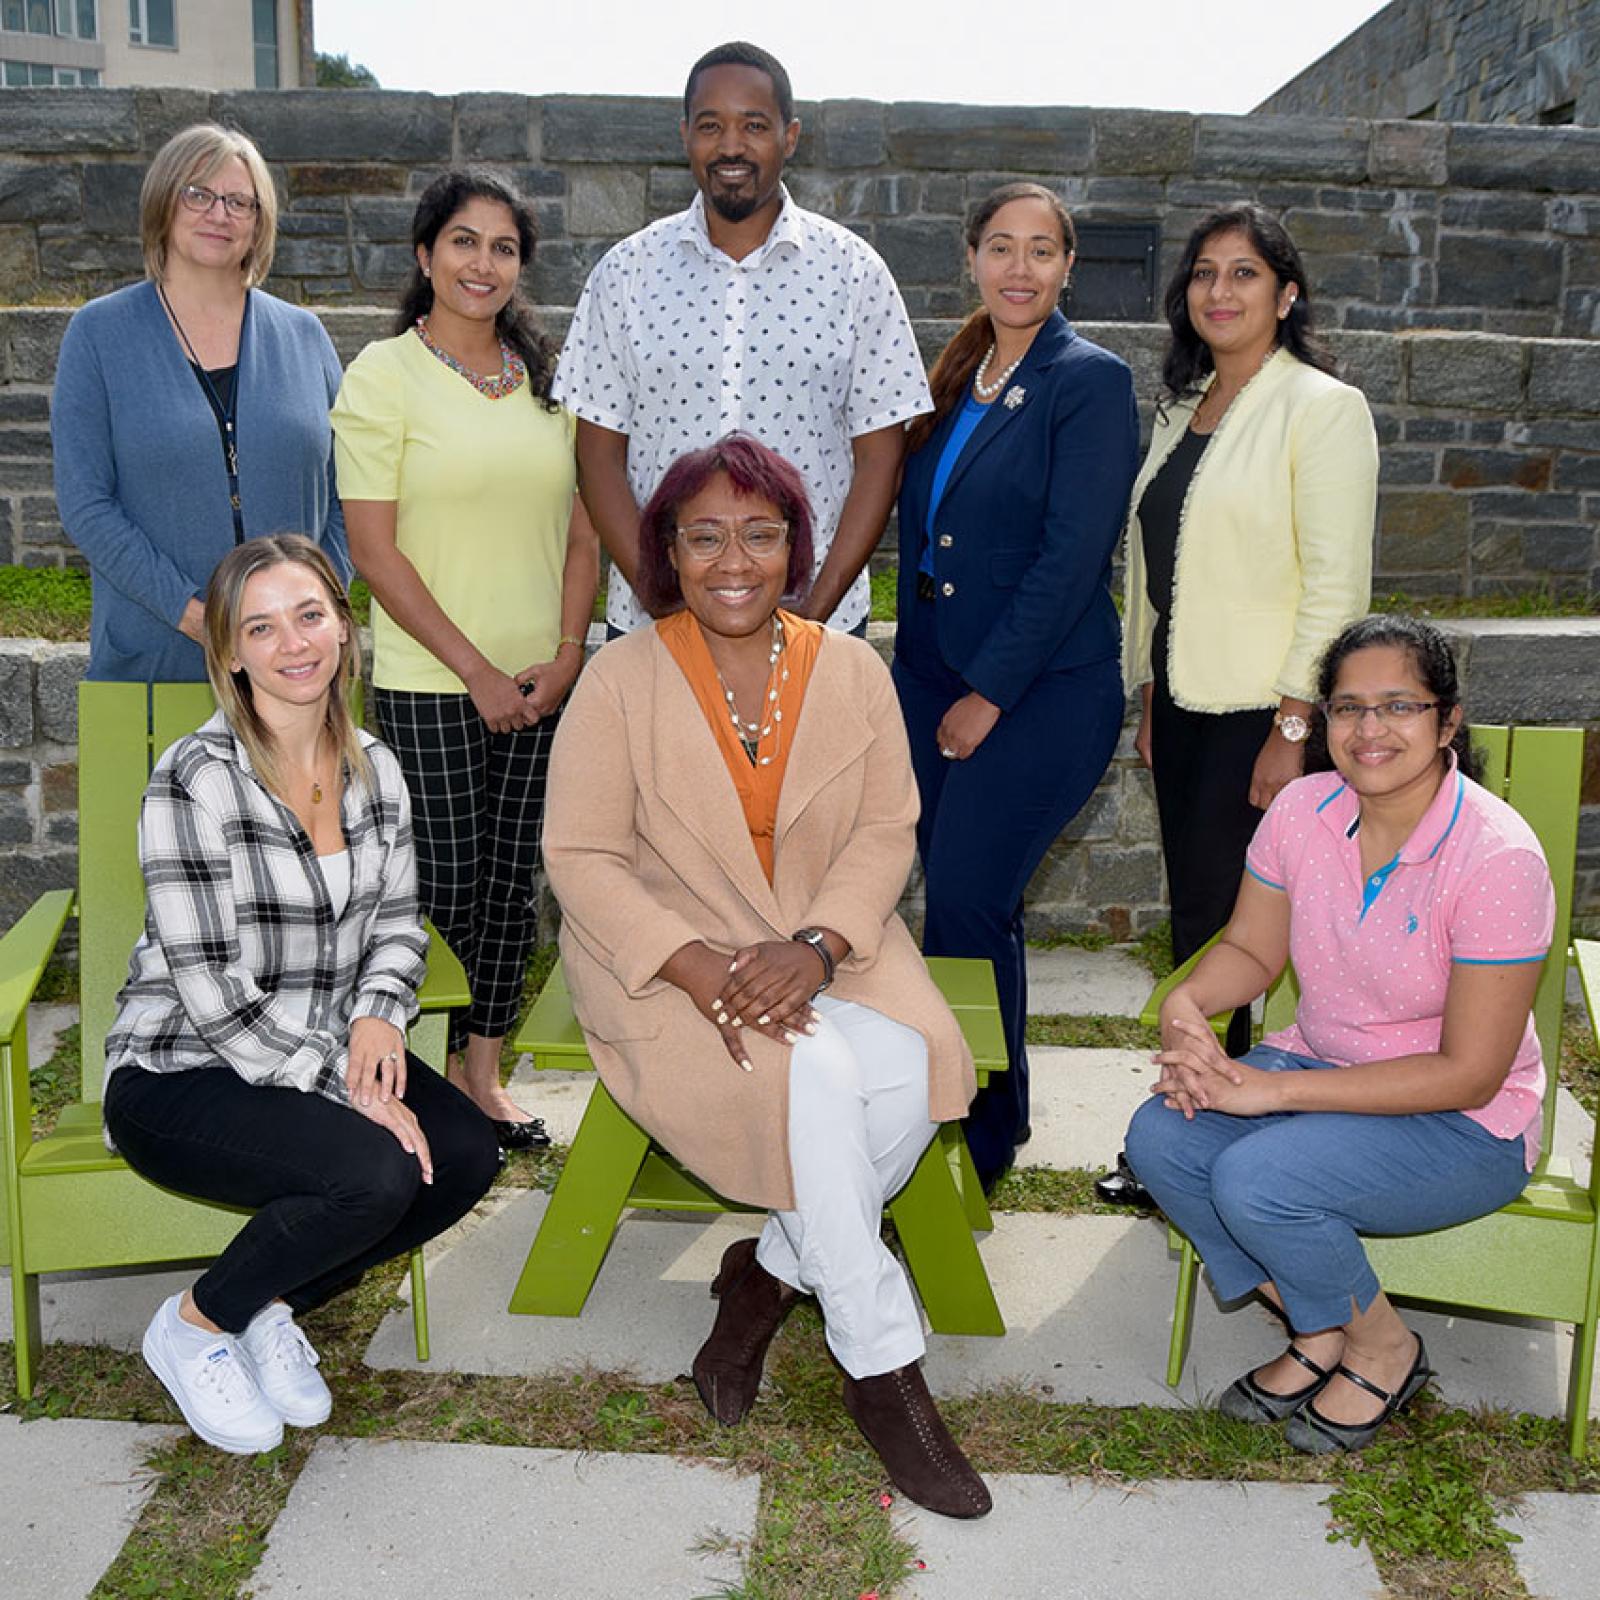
(1274, 543)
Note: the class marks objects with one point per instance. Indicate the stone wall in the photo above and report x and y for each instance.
(1522, 61)
(1491, 447)
(1103, 874)
(1403, 224)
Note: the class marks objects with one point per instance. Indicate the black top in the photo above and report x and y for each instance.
(223, 380)
(1160, 510)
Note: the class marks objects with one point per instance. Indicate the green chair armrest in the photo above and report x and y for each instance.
(445, 986)
(1150, 1017)
(25, 951)
(550, 1031)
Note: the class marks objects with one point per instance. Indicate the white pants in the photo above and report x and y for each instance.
(858, 1124)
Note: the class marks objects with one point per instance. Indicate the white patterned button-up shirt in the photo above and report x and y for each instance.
(805, 344)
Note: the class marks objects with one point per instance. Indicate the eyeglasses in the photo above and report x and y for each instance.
(196, 197)
(705, 541)
(1348, 713)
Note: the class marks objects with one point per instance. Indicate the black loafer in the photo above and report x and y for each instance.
(1246, 1401)
(1120, 1186)
(522, 1135)
(1313, 1433)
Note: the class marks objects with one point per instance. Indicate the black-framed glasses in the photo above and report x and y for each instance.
(199, 199)
(705, 541)
(1348, 713)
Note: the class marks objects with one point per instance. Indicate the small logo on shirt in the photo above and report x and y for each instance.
(1411, 923)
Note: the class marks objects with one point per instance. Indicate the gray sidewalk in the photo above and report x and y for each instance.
(1087, 1301)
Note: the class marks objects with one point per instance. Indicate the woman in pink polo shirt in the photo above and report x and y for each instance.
(1406, 1096)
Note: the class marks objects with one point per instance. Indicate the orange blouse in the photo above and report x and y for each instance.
(758, 786)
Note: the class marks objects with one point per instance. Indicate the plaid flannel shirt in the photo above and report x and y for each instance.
(242, 962)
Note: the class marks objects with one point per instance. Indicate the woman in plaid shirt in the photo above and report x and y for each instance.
(257, 1059)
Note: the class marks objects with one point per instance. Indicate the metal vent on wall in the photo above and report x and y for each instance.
(1114, 277)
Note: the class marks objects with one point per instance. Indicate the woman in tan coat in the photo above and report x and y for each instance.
(729, 826)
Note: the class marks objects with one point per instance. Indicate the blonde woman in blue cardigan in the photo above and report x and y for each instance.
(1249, 548)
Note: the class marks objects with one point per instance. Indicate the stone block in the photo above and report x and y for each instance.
(302, 258)
(67, 252)
(1481, 270)
(28, 874)
(16, 698)
(1455, 370)
(163, 112)
(494, 127)
(1545, 671)
(15, 773)
(383, 266)
(1565, 376)
(19, 259)
(1558, 160)
(1144, 197)
(353, 328)
(301, 223)
(1422, 530)
(24, 405)
(16, 819)
(381, 219)
(1100, 817)
(1409, 153)
(1373, 362)
(853, 133)
(1123, 875)
(61, 829)
(1028, 139)
(1432, 430)
(1320, 233)
(1134, 142)
(944, 193)
(1494, 213)
(352, 125)
(608, 201)
(58, 786)
(56, 122)
(111, 196)
(39, 523)
(1482, 469)
(1580, 314)
(1566, 214)
(1252, 147)
(59, 671)
(1578, 472)
(1496, 549)
(321, 179)
(1559, 547)
(1353, 276)
(561, 268)
(32, 336)
(921, 250)
(612, 128)
(1406, 467)
(30, 192)
(1059, 878)
(670, 189)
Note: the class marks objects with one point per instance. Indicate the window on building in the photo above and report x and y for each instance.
(264, 22)
(76, 19)
(151, 22)
(36, 16)
(40, 75)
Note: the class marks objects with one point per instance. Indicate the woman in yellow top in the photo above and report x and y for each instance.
(458, 479)
(732, 820)
(1249, 548)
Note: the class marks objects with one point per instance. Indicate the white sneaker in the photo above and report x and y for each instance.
(211, 1381)
(286, 1366)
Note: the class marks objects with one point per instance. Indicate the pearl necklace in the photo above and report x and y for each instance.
(750, 734)
(989, 391)
(513, 370)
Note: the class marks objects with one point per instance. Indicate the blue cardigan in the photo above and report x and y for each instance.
(1029, 518)
(140, 481)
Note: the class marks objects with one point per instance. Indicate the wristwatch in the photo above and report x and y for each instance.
(814, 938)
(1293, 727)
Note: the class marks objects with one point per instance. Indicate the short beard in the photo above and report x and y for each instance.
(733, 208)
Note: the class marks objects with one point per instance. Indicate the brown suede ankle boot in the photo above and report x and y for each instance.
(900, 1421)
(727, 1369)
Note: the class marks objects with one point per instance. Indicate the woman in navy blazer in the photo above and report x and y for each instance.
(1006, 654)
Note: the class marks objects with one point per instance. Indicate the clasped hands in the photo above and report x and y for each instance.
(1197, 1074)
(764, 988)
(508, 702)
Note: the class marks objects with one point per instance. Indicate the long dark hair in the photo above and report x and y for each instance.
(1188, 359)
(1435, 664)
(959, 359)
(754, 470)
(516, 323)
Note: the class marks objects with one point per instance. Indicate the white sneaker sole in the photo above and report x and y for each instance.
(311, 1415)
(234, 1444)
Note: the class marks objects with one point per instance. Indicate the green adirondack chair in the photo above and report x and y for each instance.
(1540, 1255)
(614, 1164)
(66, 1203)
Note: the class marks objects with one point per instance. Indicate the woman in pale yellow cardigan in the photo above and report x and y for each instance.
(1249, 547)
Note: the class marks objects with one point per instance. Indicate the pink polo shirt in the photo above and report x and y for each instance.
(1373, 956)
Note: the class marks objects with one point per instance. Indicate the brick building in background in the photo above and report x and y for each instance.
(1528, 61)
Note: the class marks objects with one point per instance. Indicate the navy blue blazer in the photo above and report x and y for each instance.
(1031, 514)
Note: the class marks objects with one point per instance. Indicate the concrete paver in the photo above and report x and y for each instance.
(1066, 1539)
(104, 1307)
(1081, 1103)
(1085, 982)
(1559, 1556)
(414, 1521)
(70, 1491)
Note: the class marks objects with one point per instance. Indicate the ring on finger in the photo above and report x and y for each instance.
(947, 752)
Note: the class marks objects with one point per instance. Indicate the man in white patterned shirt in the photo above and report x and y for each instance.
(747, 313)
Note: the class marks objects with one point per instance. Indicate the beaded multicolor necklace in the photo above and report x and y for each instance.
(513, 369)
(752, 733)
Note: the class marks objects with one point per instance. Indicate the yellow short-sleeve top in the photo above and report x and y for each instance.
(483, 491)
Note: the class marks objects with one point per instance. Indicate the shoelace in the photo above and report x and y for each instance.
(221, 1370)
(285, 1345)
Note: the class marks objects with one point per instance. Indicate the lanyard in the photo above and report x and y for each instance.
(226, 415)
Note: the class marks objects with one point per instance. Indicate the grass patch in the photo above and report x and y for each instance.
(1086, 939)
(1154, 949)
(885, 585)
(1092, 1032)
(1540, 602)
(1580, 1059)
(1063, 1193)
(56, 1082)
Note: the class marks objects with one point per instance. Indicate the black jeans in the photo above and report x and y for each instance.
(333, 1193)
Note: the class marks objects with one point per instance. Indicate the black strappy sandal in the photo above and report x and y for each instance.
(1313, 1433)
(1246, 1401)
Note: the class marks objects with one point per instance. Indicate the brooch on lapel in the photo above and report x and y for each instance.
(1015, 395)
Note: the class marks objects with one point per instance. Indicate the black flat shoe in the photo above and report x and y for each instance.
(1120, 1186)
(1313, 1433)
(522, 1135)
(1246, 1401)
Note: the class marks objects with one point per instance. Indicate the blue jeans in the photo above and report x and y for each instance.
(1282, 1198)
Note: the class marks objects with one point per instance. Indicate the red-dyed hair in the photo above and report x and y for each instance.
(755, 471)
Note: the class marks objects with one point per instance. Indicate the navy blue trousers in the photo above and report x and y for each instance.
(985, 826)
